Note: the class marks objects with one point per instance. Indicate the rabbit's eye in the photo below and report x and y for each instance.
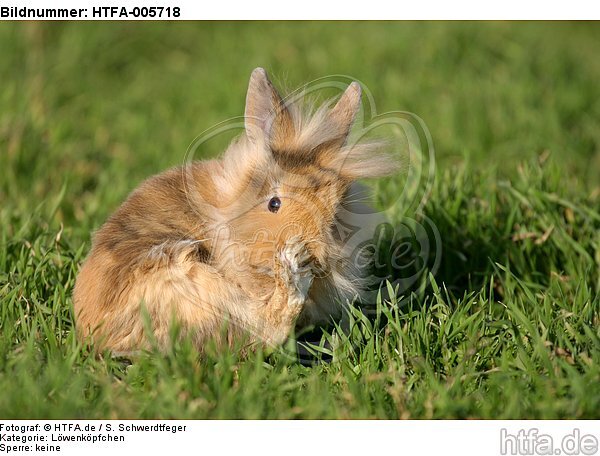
(274, 204)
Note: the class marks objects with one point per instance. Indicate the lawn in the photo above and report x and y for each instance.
(506, 325)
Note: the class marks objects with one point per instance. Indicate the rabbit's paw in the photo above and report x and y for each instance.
(296, 270)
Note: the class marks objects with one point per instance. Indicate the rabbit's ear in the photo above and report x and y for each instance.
(344, 112)
(266, 116)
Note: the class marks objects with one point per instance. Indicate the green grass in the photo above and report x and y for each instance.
(509, 325)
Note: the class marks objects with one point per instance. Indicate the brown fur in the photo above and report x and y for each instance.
(198, 245)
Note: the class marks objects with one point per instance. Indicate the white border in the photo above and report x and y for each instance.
(302, 438)
(346, 10)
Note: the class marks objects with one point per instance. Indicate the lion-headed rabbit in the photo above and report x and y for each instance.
(248, 239)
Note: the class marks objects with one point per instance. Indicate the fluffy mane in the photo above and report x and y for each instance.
(297, 133)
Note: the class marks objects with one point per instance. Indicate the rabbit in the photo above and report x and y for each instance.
(246, 242)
